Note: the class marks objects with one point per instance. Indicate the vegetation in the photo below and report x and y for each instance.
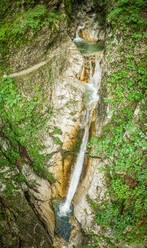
(21, 120)
(123, 141)
(22, 26)
(69, 6)
(122, 144)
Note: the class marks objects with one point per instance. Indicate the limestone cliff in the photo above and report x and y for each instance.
(51, 70)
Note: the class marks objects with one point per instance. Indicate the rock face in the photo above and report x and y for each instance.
(65, 93)
(59, 76)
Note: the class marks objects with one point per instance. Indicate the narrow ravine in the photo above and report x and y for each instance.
(91, 90)
(90, 100)
(72, 124)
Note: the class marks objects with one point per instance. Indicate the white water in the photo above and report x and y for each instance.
(65, 208)
(83, 121)
(93, 86)
(78, 38)
(92, 97)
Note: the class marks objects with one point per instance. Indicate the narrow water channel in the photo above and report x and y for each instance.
(91, 97)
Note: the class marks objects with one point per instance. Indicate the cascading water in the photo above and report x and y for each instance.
(65, 207)
(78, 38)
(87, 47)
(92, 97)
(63, 210)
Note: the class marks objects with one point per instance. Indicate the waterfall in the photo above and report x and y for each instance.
(91, 99)
(78, 38)
(65, 208)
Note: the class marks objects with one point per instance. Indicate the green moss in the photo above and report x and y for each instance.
(69, 5)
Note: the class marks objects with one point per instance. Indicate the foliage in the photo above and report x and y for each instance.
(21, 121)
(10, 7)
(127, 178)
(123, 141)
(13, 30)
(4, 7)
(69, 5)
(123, 145)
(127, 12)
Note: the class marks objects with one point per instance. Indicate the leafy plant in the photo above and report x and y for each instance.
(123, 142)
(128, 12)
(20, 124)
(13, 30)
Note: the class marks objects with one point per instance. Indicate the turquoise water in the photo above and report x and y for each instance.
(86, 47)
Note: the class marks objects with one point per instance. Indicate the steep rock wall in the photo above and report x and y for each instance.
(58, 78)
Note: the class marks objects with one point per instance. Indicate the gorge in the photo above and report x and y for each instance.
(72, 124)
(91, 90)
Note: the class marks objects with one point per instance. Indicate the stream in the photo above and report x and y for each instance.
(90, 100)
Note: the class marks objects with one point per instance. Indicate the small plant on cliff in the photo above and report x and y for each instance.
(13, 30)
(127, 12)
(21, 120)
(122, 144)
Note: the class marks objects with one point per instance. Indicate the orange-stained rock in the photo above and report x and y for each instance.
(85, 182)
(84, 75)
(66, 166)
(64, 161)
(86, 36)
(71, 138)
